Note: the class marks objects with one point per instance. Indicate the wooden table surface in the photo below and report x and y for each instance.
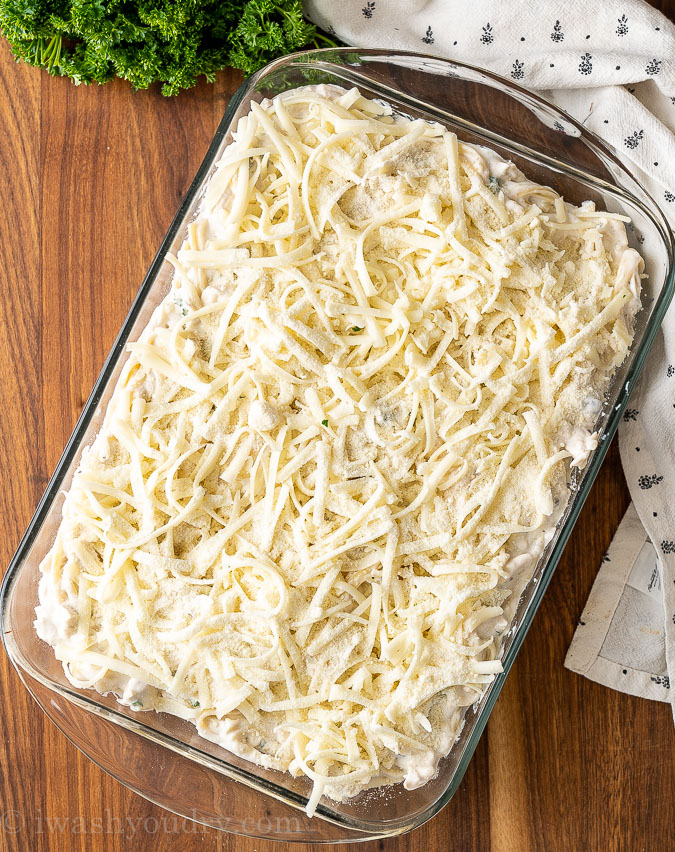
(90, 179)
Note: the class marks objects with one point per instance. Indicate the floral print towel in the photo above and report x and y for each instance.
(612, 66)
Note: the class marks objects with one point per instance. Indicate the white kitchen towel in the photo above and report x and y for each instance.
(620, 640)
(612, 66)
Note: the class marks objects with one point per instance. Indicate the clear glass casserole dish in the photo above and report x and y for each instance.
(161, 756)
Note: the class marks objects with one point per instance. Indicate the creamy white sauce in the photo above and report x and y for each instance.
(55, 616)
(580, 445)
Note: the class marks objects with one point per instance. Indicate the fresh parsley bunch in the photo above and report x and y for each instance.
(146, 41)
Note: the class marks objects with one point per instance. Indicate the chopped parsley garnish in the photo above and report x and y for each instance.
(356, 328)
(494, 184)
(324, 423)
(178, 302)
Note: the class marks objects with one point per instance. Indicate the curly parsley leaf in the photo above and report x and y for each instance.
(172, 42)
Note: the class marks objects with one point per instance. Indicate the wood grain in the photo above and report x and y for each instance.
(91, 178)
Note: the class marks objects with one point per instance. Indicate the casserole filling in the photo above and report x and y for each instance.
(341, 444)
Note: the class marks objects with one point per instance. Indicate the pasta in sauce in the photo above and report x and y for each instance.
(347, 426)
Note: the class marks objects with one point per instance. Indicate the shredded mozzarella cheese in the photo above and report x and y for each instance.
(297, 524)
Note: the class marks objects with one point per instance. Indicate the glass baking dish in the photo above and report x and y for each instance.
(162, 757)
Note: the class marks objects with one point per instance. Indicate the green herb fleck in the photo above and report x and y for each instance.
(137, 703)
(178, 302)
(494, 184)
(194, 703)
(356, 328)
(324, 423)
